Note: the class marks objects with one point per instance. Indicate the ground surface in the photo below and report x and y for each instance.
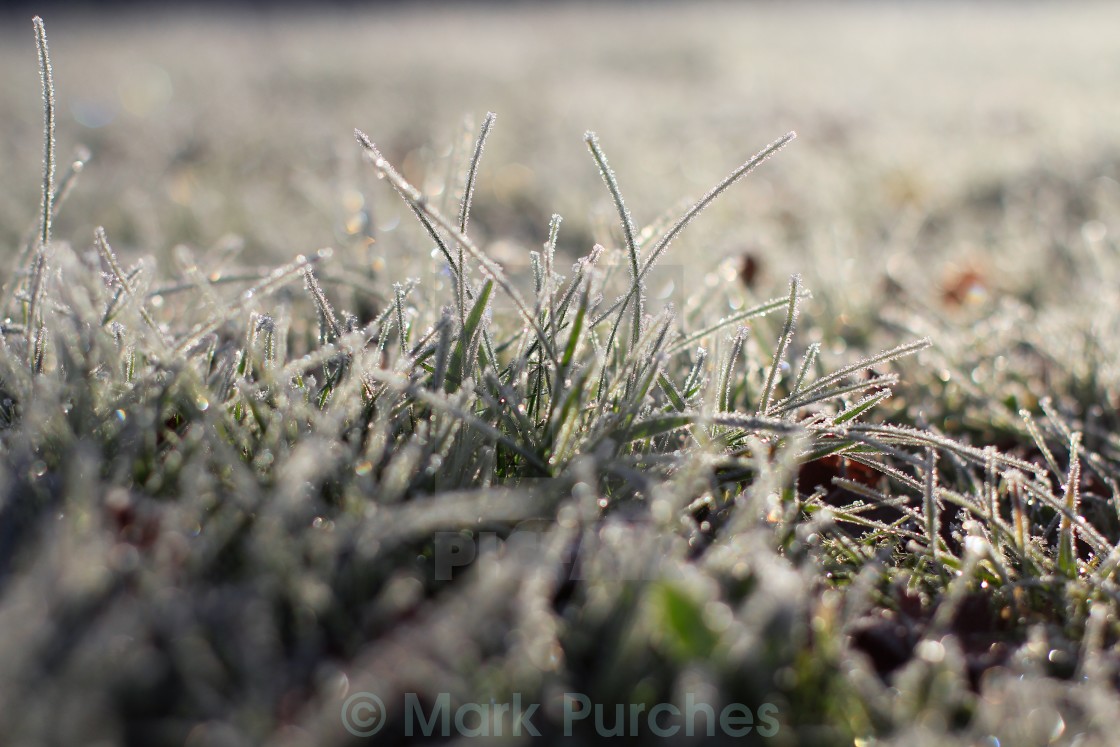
(956, 175)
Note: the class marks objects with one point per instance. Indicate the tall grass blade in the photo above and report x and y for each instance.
(329, 328)
(47, 77)
(628, 232)
(783, 345)
(727, 377)
(747, 167)
(465, 210)
(33, 323)
(488, 266)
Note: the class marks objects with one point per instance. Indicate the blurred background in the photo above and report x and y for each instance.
(932, 136)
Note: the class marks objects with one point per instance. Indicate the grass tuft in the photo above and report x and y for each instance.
(227, 505)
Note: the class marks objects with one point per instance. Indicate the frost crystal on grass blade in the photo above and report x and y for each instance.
(47, 77)
(783, 345)
(125, 283)
(637, 291)
(34, 327)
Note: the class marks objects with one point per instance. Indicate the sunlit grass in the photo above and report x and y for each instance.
(225, 492)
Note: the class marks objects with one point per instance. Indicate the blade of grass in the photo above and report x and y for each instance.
(663, 243)
(106, 251)
(33, 324)
(783, 345)
(1067, 540)
(465, 211)
(460, 359)
(636, 288)
(488, 266)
